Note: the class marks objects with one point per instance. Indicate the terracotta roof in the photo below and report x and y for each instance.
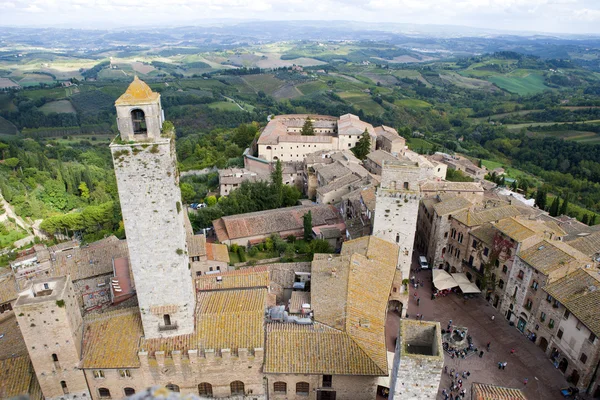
(277, 129)
(481, 391)
(89, 260)
(345, 181)
(231, 319)
(111, 339)
(588, 245)
(315, 349)
(452, 205)
(350, 124)
(196, 245)
(579, 292)
(548, 256)
(242, 278)
(12, 344)
(8, 288)
(492, 214)
(182, 343)
(389, 133)
(514, 229)
(138, 92)
(349, 294)
(369, 197)
(446, 186)
(484, 233)
(297, 300)
(379, 156)
(217, 252)
(273, 221)
(16, 377)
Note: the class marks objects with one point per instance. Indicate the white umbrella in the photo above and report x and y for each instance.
(443, 280)
(465, 285)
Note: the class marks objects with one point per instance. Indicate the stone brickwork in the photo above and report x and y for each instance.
(397, 208)
(345, 387)
(51, 324)
(153, 215)
(186, 371)
(418, 361)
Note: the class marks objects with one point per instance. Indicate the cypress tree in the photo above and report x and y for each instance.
(540, 199)
(277, 182)
(363, 146)
(554, 207)
(585, 219)
(307, 128)
(307, 222)
(564, 208)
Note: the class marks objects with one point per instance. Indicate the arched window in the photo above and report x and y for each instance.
(205, 389)
(172, 387)
(237, 388)
(104, 393)
(138, 121)
(500, 283)
(129, 391)
(268, 147)
(54, 357)
(64, 387)
(302, 388)
(280, 387)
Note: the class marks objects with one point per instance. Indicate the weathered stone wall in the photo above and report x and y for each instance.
(153, 214)
(417, 376)
(153, 116)
(346, 387)
(187, 372)
(51, 327)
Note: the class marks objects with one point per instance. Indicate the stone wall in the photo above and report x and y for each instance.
(345, 387)
(52, 331)
(153, 214)
(187, 372)
(416, 376)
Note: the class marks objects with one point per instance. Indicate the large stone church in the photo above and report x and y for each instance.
(252, 333)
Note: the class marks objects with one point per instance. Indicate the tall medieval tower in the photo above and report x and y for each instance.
(148, 182)
(52, 327)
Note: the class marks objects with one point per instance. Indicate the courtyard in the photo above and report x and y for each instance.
(528, 361)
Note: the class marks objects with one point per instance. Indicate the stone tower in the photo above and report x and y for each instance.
(51, 324)
(148, 182)
(418, 361)
(399, 194)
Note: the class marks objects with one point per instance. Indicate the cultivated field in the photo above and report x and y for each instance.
(7, 83)
(60, 106)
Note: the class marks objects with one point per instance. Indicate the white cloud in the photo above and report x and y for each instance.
(541, 15)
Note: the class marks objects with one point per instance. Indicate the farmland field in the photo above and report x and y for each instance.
(266, 83)
(312, 87)
(225, 106)
(7, 128)
(412, 103)
(35, 79)
(528, 84)
(7, 83)
(142, 68)
(59, 106)
(362, 101)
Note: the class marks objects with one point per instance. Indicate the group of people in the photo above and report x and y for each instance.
(456, 390)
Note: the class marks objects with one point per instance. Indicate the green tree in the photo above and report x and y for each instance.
(554, 207)
(514, 186)
(11, 162)
(593, 219)
(307, 222)
(277, 183)
(187, 193)
(84, 191)
(540, 199)
(320, 246)
(585, 219)
(564, 207)
(307, 128)
(363, 146)
(211, 201)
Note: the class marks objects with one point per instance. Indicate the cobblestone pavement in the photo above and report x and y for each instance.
(528, 361)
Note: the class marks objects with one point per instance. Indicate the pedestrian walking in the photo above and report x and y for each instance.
(525, 381)
(418, 316)
(488, 345)
(481, 354)
(418, 301)
(512, 351)
(500, 365)
(432, 296)
(421, 317)
(445, 369)
(504, 365)
(415, 295)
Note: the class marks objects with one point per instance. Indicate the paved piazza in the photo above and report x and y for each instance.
(544, 381)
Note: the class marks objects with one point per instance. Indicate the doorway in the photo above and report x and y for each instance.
(564, 364)
(521, 324)
(543, 344)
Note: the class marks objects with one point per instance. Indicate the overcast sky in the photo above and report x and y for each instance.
(568, 16)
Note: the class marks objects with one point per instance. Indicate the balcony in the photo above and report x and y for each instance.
(170, 327)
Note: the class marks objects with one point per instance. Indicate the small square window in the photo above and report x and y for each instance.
(583, 358)
(592, 337)
(560, 334)
(567, 314)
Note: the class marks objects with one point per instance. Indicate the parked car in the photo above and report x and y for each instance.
(423, 263)
(201, 205)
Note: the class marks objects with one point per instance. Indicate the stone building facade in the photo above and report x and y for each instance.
(51, 324)
(148, 181)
